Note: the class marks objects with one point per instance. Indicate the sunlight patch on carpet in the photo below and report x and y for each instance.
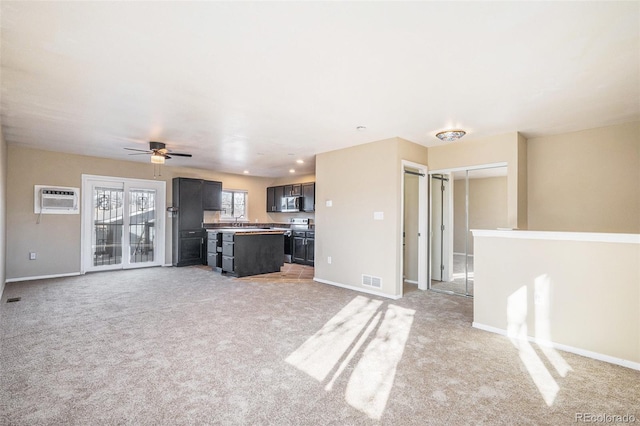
(517, 331)
(371, 382)
(342, 338)
(322, 351)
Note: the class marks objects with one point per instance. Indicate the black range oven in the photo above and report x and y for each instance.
(295, 223)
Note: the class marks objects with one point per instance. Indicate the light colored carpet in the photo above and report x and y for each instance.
(188, 346)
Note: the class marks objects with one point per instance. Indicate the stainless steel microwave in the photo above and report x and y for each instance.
(292, 204)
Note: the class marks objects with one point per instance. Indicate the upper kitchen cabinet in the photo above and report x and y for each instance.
(271, 199)
(211, 195)
(274, 198)
(306, 191)
(293, 190)
(309, 195)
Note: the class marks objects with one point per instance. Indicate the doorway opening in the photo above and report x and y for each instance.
(414, 244)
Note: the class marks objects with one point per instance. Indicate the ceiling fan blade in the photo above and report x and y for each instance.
(140, 153)
(139, 150)
(166, 157)
(178, 154)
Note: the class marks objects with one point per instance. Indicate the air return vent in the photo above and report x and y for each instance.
(371, 281)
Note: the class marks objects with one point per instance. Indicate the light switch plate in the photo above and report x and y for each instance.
(329, 203)
(378, 215)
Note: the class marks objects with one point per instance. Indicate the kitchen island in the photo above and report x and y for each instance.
(240, 252)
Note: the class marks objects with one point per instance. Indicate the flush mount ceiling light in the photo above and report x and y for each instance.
(300, 161)
(450, 135)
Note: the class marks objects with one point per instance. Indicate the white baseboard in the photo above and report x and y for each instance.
(41, 277)
(411, 282)
(360, 289)
(565, 348)
(71, 274)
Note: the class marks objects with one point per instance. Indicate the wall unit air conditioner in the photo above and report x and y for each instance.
(56, 200)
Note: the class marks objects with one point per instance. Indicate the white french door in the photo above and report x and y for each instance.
(123, 223)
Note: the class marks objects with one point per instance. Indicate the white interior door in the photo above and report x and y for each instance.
(123, 223)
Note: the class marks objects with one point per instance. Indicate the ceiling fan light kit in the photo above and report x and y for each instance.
(450, 135)
(157, 158)
(159, 152)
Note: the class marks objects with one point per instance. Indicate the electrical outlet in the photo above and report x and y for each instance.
(329, 260)
(32, 255)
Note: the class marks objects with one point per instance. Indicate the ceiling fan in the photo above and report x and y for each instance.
(158, 152)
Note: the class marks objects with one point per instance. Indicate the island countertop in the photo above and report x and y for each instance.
(246, 231)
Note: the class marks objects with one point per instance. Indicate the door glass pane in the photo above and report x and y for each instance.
(142, 219)
(106, 239)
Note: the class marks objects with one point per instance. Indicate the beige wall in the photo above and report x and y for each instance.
(57, 238)
(3, 211)
(487, 208)
(585, 295)
(586, 181)
(508, 148)
(359, 181)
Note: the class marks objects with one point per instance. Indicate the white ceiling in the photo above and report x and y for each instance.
(255, 86)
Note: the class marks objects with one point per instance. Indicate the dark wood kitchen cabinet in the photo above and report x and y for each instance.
(305, 190)
(309, 197)
(251, 253)
(271, 199)
(187, 197)
(190, 198)
(303, 247)
(191, 248)
(211, 195)
(214, 250)
(274, 198)
(294, 190)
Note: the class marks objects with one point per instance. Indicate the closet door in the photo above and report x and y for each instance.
(462, 200)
